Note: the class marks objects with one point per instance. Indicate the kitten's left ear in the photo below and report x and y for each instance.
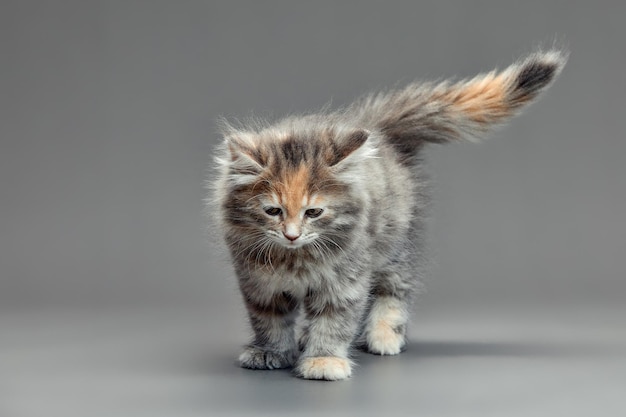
(350, 146)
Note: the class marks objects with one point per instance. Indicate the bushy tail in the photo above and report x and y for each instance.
(448, 111)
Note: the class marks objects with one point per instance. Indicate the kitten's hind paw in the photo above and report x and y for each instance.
(385, 340)
(330, 368)
(254, 357)
(385, 332)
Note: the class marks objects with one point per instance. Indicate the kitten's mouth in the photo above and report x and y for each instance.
(292, 244)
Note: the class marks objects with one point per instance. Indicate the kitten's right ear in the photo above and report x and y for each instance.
(240, 150)
(243, 154)
(241, 161)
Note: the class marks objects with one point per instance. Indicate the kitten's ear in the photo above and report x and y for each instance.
(350, 146)
(244, 154)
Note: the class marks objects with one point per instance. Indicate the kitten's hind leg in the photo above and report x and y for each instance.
(385, 328)
(395, 284)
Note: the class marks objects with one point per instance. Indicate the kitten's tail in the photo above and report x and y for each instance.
(462, 110)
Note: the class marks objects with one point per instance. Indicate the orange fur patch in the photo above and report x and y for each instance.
(483, 99)
(325, 367)
(383, 330)
(293, 190)
(328, 362)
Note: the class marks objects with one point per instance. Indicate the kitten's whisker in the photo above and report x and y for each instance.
(259, 250)
(245, 243)
(254, 248)
(270, 246)
(327, 239)
(263, 251)
(316, 248)
(322, 249)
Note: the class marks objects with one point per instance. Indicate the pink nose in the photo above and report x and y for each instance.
(290, 236)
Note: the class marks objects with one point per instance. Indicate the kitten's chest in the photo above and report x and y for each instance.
(296, 277)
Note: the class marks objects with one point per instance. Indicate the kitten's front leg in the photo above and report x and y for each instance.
(272, 321)
(332, 326)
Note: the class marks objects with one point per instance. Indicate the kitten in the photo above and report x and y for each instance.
(323, 213)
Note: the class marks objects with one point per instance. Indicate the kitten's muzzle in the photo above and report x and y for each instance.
(291, 236)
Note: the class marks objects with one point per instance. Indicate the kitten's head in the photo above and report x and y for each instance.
(292, 189)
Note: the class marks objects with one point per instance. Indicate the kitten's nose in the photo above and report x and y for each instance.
(291, 236)
(291, 231)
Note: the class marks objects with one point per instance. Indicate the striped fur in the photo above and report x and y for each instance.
(323, 214)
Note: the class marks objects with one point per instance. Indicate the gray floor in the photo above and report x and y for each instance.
(181, 363)
(112, 303)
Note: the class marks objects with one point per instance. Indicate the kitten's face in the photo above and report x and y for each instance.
(287, 193)
(294, 206)
(295, 215)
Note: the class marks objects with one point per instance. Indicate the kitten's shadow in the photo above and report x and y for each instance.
(224, 362)
(461, 348)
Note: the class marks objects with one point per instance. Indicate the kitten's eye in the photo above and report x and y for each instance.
(313, 213)
(273, 211)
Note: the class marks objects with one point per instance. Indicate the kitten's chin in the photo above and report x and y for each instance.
(292, 245)
(295, 244)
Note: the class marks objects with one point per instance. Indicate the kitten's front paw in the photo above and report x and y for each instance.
(330, 368)
(254, 357)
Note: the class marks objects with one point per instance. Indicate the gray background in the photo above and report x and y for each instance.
(114, 302)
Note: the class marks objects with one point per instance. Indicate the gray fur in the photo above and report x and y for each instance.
(354, 270)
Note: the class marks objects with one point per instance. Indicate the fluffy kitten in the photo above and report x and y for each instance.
(323, 213)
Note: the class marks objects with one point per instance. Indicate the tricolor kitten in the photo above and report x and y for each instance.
(323, 214)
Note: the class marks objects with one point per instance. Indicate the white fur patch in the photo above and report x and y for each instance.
(330, 368)
(387, 315)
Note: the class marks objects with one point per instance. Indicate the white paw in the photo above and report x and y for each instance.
(386, 327)
(382, 339)
(330, 368)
